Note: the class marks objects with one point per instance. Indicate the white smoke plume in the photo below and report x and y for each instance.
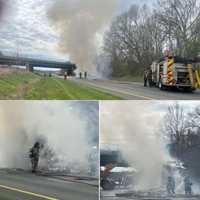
(60, 124)
(2, 7)
(79, 24)
(134, 127)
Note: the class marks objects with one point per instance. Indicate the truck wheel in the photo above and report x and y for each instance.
(107, 185)
(189, 89)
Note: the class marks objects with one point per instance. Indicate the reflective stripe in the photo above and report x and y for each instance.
(170, 75)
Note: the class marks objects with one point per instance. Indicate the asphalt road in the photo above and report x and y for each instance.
(16, 185)
(136, 91)
(111, 195)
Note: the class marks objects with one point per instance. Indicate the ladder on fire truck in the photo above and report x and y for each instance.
(197, 74)
(191, 75)
(194, 76)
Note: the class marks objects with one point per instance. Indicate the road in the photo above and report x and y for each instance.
(21, 185)
(115, 195)
(136, 91)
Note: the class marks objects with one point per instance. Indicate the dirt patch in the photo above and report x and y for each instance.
(23, 89)
(4, 70)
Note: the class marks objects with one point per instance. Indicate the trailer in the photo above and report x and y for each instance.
(172, 72)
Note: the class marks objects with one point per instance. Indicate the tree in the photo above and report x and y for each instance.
(134, 40)
(139, 36)
(180, 20)
(182, 128)
(174, 123)
(193, 120)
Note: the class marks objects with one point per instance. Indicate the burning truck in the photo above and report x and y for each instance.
(115, 171)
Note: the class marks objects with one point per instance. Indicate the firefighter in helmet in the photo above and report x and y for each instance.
(34, 156)
(65, 76)
(188, 186)
(146, 74)
(80, 75)
(148, 78)
(171, 185)
(85, 75)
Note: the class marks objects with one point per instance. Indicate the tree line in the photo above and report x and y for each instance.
(139, 36)
(181, 126)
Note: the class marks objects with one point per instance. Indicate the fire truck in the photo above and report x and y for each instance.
(174, 72)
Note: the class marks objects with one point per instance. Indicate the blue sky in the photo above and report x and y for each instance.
(26, 28)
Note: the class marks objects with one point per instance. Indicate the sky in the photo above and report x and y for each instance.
(25, 28)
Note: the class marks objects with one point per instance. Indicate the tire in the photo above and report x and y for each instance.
(107, 185)
(189, 89)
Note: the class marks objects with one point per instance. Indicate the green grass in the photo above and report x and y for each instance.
(57, 89)
(30, 86)
(10, 84)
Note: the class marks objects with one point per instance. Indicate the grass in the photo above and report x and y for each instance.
(29, 86)
(10, 84)
(57, 89)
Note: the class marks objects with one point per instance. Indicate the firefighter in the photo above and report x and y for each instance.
(188, 186)
(171, 185)
(65, 75)
(149, 78)
(80, 75)
(85, 75)
(146, 73)
(34, 156)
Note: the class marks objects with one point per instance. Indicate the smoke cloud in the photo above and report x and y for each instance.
(79, 24)
(134, 127)
(5, 10)
(59, 124)
(2, 7)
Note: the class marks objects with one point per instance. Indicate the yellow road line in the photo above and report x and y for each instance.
(26, 192)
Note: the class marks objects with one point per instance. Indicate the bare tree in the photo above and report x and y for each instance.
(135, 39)
(180, 20)
(193, 120)
(182, 128)
(174, 123)
(138, 36)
